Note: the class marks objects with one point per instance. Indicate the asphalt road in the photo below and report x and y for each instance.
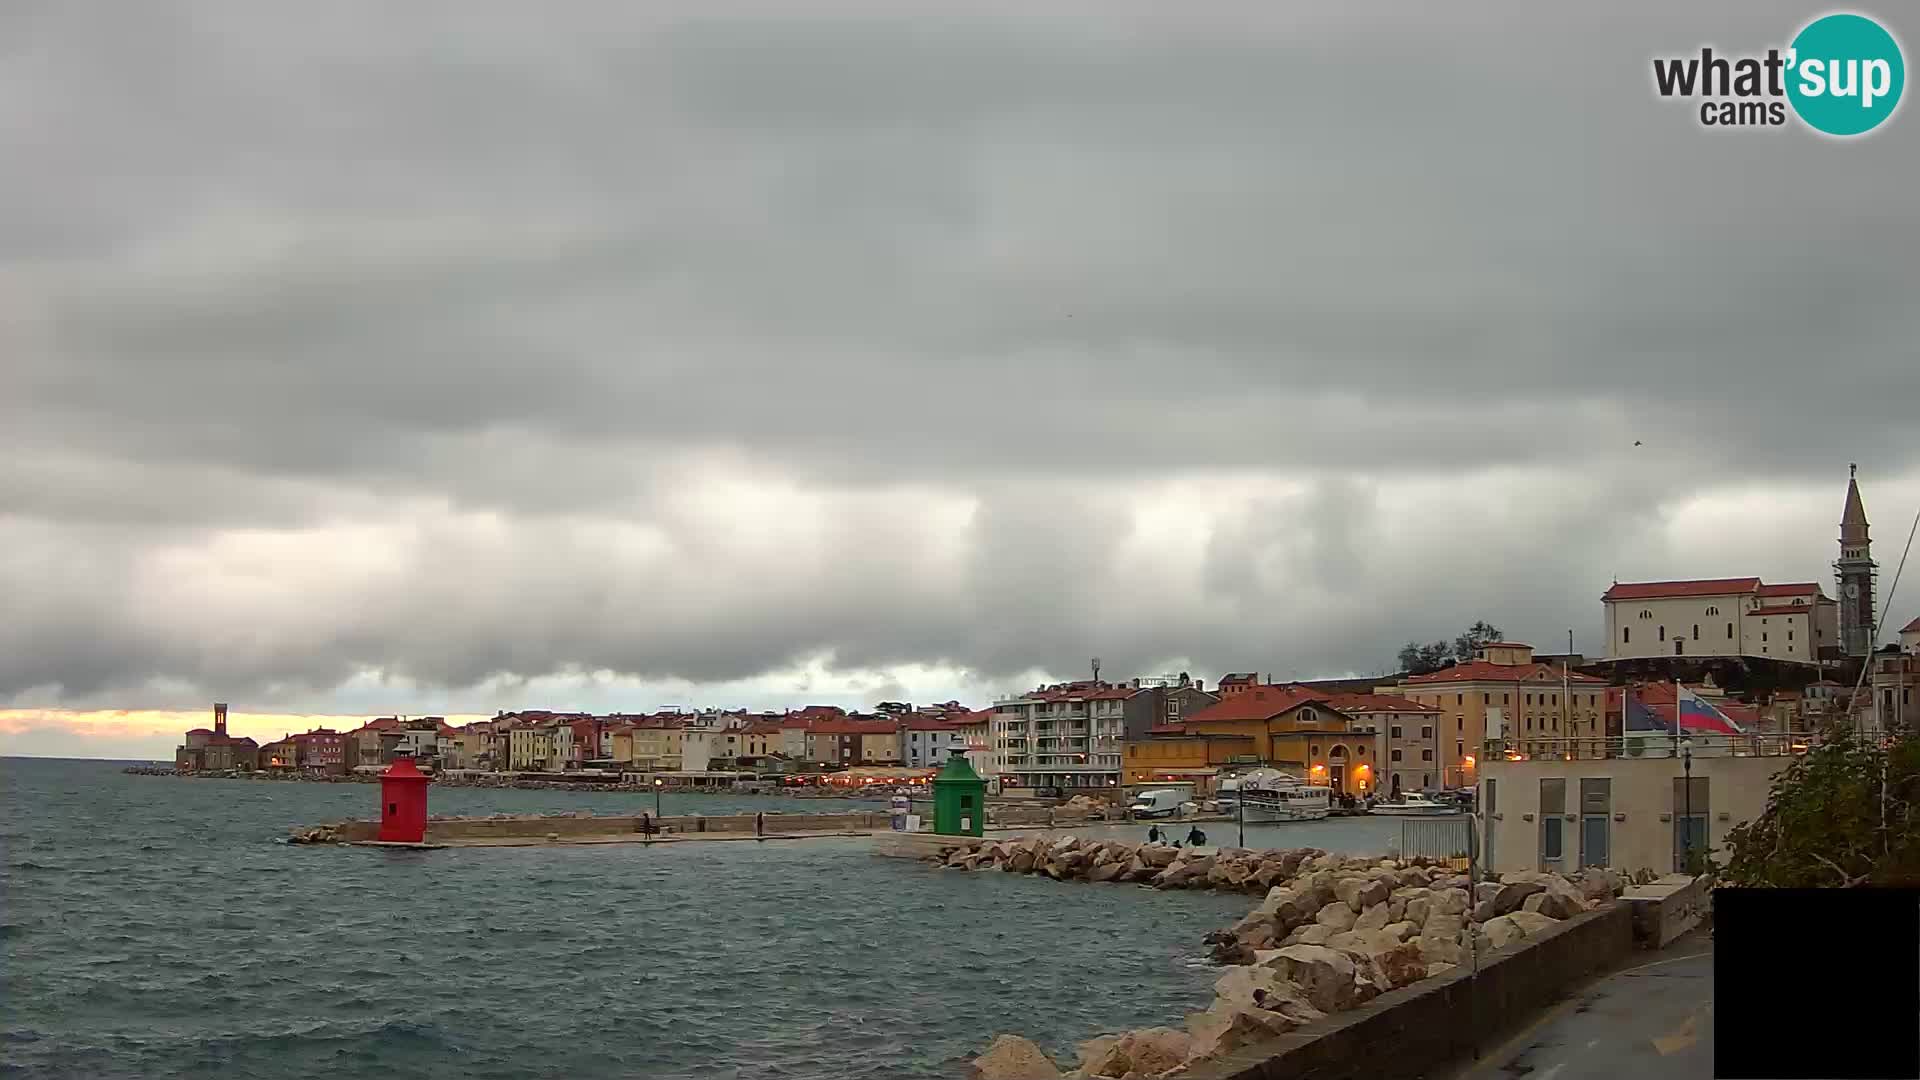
(1652, 1021)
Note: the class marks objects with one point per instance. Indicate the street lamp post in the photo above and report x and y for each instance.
(657, 785)
(1240, 815)
(1686, 803)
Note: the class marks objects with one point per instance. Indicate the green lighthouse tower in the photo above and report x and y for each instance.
(959, 799)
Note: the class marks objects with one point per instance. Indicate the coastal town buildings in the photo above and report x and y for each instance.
(1406, 738)
(1290, 728)
(1720, 617)
(214, 750)
(1502, 692)
(1895, 689)
(1067, 735)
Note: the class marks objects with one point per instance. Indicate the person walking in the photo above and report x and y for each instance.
(760, 824)
(1196, 838)
(1153, 834)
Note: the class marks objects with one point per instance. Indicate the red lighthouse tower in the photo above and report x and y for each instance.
(403, 803)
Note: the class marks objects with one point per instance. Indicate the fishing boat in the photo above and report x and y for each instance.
(1414, 806)
(1269, 796)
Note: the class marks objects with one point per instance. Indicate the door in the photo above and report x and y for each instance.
(1593, 840)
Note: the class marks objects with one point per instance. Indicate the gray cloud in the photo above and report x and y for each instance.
(697, 347)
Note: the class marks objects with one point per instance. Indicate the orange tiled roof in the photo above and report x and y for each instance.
(1653, 590)
(1912, 627)
(1366, 703)
(1259, 703)
(1799, 588)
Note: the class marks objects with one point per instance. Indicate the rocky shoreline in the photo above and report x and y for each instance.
(1329, 933)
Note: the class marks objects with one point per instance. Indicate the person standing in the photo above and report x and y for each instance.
(760, 824)
(1196, 838)
(1153, 834)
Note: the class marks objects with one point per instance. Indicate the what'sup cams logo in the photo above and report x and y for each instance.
(1842, 75)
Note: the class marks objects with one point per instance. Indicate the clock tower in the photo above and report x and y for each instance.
(1855, 571)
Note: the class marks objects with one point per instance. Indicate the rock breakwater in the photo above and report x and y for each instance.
(1329, 934)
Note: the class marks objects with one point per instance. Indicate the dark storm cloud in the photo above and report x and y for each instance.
(468, 341)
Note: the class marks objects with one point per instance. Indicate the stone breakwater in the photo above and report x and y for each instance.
(1329, 934)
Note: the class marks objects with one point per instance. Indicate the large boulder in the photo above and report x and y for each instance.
(1157, 854)
(1401, 965)
(1485, 892)
(1326, 975)
(1532, 923)
(1224, 1028)
(1275, 897)
(1597, 884)
(1440, 948)
(1147, 1052)
(1013, 1058)
(1064, 844)
(1451, 902)
(1512, 894)
(1021, 862)
(1337, 915)
(1237, 986)
(1093, 1053)
(958, 856)
(1502, 931)
(1311, 934)
(1561, 900)
(1373, 918)
(1417, 909)
(1107, 871)
(1483, 911)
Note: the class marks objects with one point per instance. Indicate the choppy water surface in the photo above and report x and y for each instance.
(155, 927)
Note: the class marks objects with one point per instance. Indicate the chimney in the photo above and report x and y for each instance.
(219, 718)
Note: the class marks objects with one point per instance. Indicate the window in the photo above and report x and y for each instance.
(1763, 635)
(1729, 631)
(1459, 749)
(1529, 722)
(1396, 731)
(1503, 699)
(1426, 731)
(1529, 699)
(1426, 755)
(1426, 780)
(1459, 725)
(1663, 633)
(1486, 699)
(1713, 611)
(1626, 634)
(1789, 635)
(1696, 631)
(1394, 755)
(1459, 699)
(1645, 614)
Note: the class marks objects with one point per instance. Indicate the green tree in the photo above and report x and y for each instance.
(1481, 634)
(1842, 815)
(1418, 659)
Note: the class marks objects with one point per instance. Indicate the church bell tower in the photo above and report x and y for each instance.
(1854, 572)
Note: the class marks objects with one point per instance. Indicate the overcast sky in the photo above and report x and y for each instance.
(360, 358)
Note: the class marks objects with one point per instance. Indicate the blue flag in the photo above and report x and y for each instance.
(1641, 718)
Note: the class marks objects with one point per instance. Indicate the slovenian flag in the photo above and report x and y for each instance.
(1697, 715)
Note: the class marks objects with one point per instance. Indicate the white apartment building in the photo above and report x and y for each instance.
(1721, 617)
(1063, 736)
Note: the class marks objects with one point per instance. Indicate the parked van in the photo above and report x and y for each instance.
(1161, 802)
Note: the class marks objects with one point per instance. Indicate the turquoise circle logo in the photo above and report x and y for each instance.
(1847, 74)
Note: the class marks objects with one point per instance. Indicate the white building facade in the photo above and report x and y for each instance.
(1722, 617)
(1067, 736)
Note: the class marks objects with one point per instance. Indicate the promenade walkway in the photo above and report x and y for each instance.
(1650, 1021)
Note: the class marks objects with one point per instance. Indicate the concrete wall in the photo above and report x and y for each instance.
(1642, 794)
(1416, 1031)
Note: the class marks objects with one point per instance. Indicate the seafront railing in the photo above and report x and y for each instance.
(1652, 744)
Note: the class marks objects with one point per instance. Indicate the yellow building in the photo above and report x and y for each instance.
(656, 746)
(529, 748)
(880, 747)
(1504, 693)
(1287, 728)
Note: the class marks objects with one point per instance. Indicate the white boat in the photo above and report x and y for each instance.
(1268, 796)
(1414, 806)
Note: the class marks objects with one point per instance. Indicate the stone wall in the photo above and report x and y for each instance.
(1413, 1031)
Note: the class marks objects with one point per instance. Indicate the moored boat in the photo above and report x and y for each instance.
(1269, 796)
(1414, 806)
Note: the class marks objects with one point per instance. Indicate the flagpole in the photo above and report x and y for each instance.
(1676, 716)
